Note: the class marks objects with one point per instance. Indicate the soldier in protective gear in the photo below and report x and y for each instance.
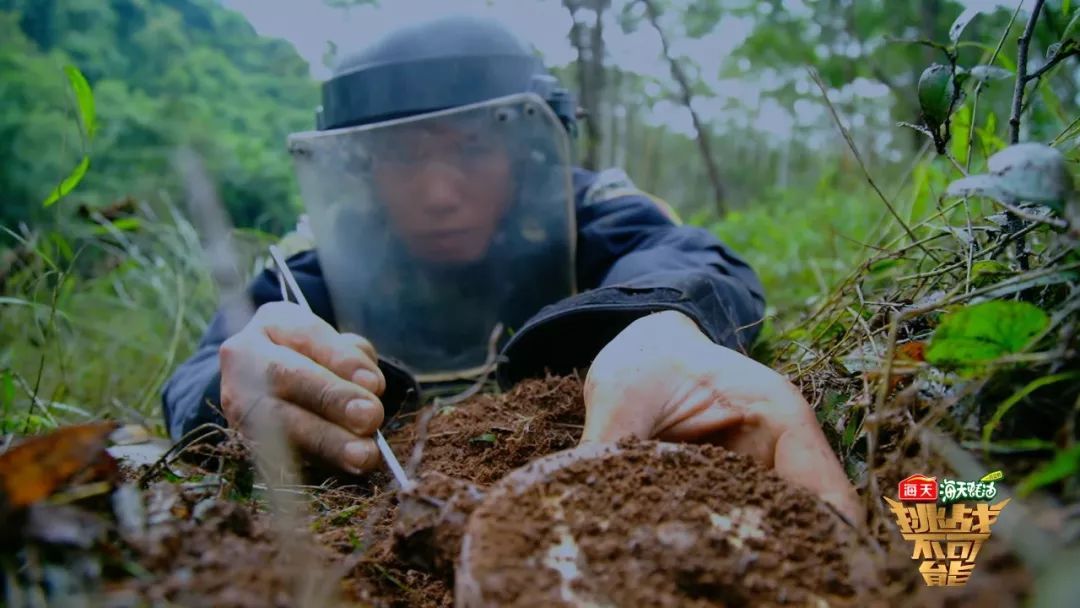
(447, 217)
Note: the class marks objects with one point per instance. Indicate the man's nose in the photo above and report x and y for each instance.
(441, 185)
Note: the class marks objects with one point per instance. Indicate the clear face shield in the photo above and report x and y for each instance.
(433, 230)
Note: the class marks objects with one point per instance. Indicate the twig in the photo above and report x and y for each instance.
(956, 265)
(852, 278)
(955, 163)
(971, 132)
(1020, 278)
(178, 448)
(1023, 44)
(979, 85)
(1049, 65)
(423, 426)
(687, 98)
(858, 157)
(1038, 219)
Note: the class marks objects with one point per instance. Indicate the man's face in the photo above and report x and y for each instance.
(446, 188)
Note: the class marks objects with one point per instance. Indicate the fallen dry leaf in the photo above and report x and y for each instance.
(39, 466)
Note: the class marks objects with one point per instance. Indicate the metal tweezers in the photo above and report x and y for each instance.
(289, 284)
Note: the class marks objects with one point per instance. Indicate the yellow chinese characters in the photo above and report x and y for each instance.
(947, 544)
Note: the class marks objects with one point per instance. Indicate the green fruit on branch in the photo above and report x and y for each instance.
(936, 94)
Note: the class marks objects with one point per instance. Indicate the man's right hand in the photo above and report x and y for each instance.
(323, 386)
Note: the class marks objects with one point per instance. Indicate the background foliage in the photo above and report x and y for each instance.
(163, 73)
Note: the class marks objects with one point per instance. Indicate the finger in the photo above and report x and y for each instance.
(362, 343)
(349, 356)
(362, 369)
(803, 457)
(611, 415)
(299, 380)
(326, 441)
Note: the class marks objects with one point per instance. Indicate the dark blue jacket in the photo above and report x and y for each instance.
(632, 259)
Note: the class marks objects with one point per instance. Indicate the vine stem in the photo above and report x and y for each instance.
(1023, 45)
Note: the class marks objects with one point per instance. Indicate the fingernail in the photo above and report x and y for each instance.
(357, 455)
(358, 414)
(366, 378)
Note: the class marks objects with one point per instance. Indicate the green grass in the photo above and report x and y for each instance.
(98, 317)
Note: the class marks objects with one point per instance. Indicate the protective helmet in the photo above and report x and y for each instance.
(438, 187)
(446, 63)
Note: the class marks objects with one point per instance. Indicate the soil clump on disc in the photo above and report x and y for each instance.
(655, 524)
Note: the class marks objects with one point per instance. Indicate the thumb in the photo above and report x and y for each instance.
(612, 414)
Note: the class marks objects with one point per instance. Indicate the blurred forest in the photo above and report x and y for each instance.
(921, 273)
(163, 73)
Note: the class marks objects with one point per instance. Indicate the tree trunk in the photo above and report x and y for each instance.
(616, 131)
(687, 99)
(590, 73)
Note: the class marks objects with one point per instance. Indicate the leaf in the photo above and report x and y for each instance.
(126, 224)
(1073, 29)
(989, 72)
(985, 272)
(7, 389)
(485, 438)
(911, 351)
(881, 266)
(1034, 172)
(983, 332)
(993, 476)
(1065, 464)
(989, 186)
(850, 432)
(1022, 172)
(961, 126)
(958, 26)
(343, 516)
(84, 99)
(63, 247)
(36, 468)
(68, 184)
(1017, 397)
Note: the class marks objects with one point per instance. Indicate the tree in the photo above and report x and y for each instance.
(164, 73)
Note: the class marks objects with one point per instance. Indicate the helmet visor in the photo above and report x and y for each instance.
(434, 229)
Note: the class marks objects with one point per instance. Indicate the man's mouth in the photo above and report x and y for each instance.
(448, 242)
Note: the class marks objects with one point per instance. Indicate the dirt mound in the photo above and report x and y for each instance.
(685, 525)
(430, 522)
(487, 436)
(655, 524)
(479, 441)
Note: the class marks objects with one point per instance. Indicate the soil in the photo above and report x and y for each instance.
(430, 522)
(487, 436)
(658, 525)
(479, 440)
(695, 527)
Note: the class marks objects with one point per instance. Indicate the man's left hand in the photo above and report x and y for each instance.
(661, 377)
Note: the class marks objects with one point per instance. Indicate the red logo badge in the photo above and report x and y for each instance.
(918, 488)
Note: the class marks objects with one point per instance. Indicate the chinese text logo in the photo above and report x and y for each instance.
(947, 538)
